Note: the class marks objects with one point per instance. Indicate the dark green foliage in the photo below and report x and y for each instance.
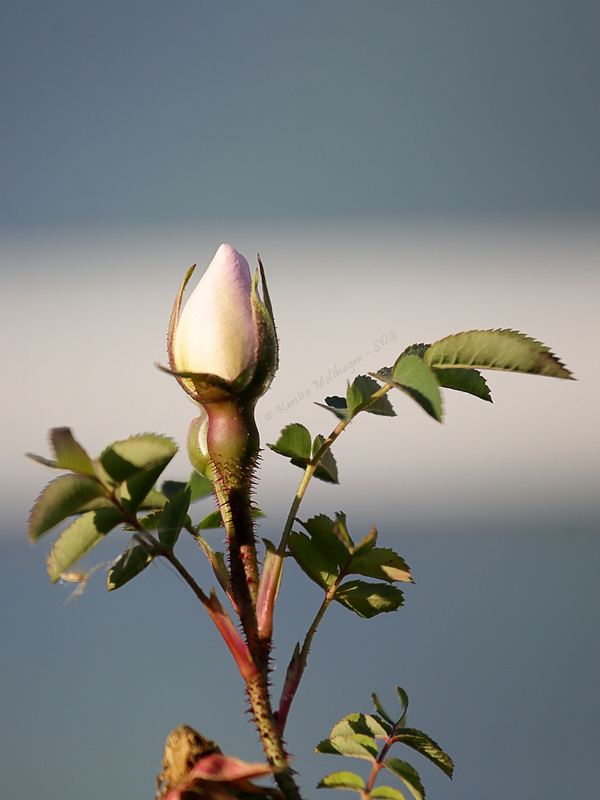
(295, 443)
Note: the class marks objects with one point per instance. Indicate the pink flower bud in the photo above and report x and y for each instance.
(224, 339)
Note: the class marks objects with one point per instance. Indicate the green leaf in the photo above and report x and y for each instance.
(425, 745)
(324, 533)
(365, 724)
(383, 564)
(79, 538)
(403, 697)
(369, 599)
(367, 544)
(61, 498)
(326, 469)
(200, 485)
(212, 520)
(294, 443)
(126, 458)
(316, 563)
(387, 793)
(69, 453)
(337, 406)
(362, 389)
(413, 377)
(380, 710)
(342, 780)
(464, 380)
(495, 349)
(129, 564)
(356, 746)
(173, 517)
(408, 775)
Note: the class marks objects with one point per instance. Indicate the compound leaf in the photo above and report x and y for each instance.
(315, 562)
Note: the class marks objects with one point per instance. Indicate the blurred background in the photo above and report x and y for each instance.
(406, 171)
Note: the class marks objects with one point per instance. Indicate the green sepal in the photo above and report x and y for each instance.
(342, 780)
(61, 498)
(315, 562)
(501, 349)
(79, 538)
(408, 775)
(425, 745)
(387, 793)
(356, 745)
(369, 599)
(129, 564)
(366, 724)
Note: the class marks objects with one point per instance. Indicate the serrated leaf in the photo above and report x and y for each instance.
(129, 564)
(380, 709)
(383, 564)
(367, 544)
(403, 698)
(387, 793)
(294, 442)
(355, 746)
(326, 469)
(408, 775)
(425, 745)
(173, 517)
(79, 538)
(323, 532)
(69, 453)
(317, 564)
(502, 349)
(464, 380)
(369, 599)
(62, 497)
(365, 724)
(359, 393)
(124, 459)
(337, 406)
(342, 780)
(413, 377)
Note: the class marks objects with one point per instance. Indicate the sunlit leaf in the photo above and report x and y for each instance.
(314, 561)
(383, 564)
(69, 453)
(356, 745)
(124, 459)
(79, 538)
(62, 497)
(464, 380)
(408, 775)
(342, 780)
(327, 468)
(369, 599)
(129, 564)
(323, 532)
(359, 393)
(495, 349)
(387, 793)
(412, 376)
(295, 443)
(365, 724)
(425, 745)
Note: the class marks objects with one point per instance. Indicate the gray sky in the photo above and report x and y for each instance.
(406, 170)
(158, 112)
